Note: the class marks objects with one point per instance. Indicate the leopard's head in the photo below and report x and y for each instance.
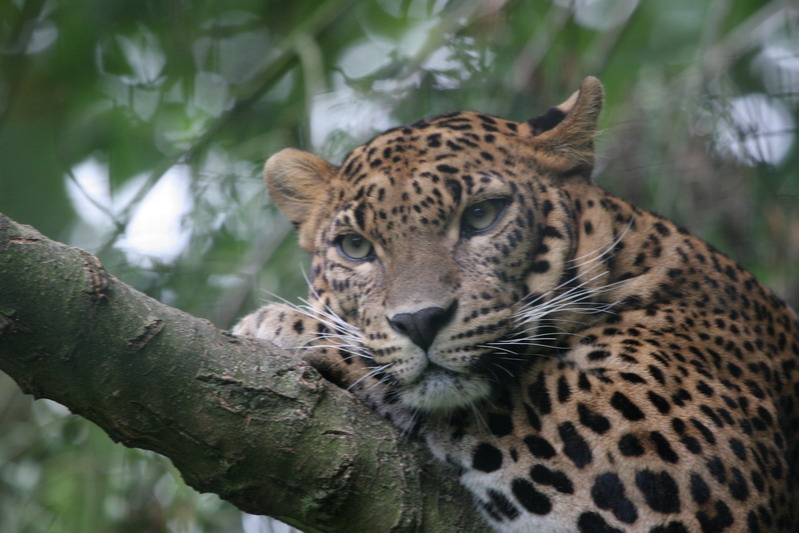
(432, 238)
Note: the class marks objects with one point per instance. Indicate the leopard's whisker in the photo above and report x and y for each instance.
(374, 371)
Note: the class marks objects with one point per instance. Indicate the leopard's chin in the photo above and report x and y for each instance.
(441, 389)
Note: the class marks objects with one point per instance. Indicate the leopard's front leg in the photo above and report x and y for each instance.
(331, 349)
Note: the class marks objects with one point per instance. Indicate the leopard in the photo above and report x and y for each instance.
(583, 364)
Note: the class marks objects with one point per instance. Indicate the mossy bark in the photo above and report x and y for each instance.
(238, 417)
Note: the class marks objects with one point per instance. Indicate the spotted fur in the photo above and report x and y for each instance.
(584, 365)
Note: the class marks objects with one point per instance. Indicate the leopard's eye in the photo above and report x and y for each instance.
(354, 247)
(482, 215)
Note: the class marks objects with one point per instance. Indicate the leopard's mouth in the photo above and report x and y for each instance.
(441, 388)
(455, 378)
(438, 388)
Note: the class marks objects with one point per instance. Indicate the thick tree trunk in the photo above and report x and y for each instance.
(238, 417)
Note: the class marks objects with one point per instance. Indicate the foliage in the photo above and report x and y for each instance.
(136, 129)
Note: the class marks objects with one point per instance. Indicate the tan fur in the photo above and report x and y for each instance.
(586, 365)
(297, 182)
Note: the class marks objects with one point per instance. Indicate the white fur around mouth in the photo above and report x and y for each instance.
(439, 389)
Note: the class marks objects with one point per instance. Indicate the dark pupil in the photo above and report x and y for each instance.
(478, 211)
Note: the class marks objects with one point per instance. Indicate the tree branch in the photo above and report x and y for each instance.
(237, 417)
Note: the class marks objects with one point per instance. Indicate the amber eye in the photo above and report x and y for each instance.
(354, 247)
(482, 215)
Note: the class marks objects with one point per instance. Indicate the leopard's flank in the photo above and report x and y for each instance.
(585, 365)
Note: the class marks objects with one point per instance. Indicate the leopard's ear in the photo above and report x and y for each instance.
(298, 184)
(567, 131)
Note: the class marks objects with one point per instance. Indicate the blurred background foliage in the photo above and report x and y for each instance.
(137, 128)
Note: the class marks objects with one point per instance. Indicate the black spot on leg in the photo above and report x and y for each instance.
(700, 492)
(503, 504)
(564, 391)
(540, 396)
(591, 522)
(721, 520)
(499, 424)
(490, 510)
(660, 491)
(738, 486)
(738, 449)
(554, 478)
(531, 499)
(630, 446)
(574, 445)
(539, 447)
(532, 417)
(660, 403)
(671, 527)
(608, 493)
(594, 421)
(663, 448)
(598, 355)
(486, 458)
(715, 467)
(626, 407)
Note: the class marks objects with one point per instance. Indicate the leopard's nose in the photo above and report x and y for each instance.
(422, 326)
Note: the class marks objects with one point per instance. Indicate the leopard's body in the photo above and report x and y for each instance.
(584, 364)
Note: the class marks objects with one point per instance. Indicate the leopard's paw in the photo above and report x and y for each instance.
(281, 325)
(298, 333)
(331, 347)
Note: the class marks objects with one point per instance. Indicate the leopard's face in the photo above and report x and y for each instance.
(430, 266)
(430, 240)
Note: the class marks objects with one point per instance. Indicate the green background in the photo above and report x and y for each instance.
(108, 105)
